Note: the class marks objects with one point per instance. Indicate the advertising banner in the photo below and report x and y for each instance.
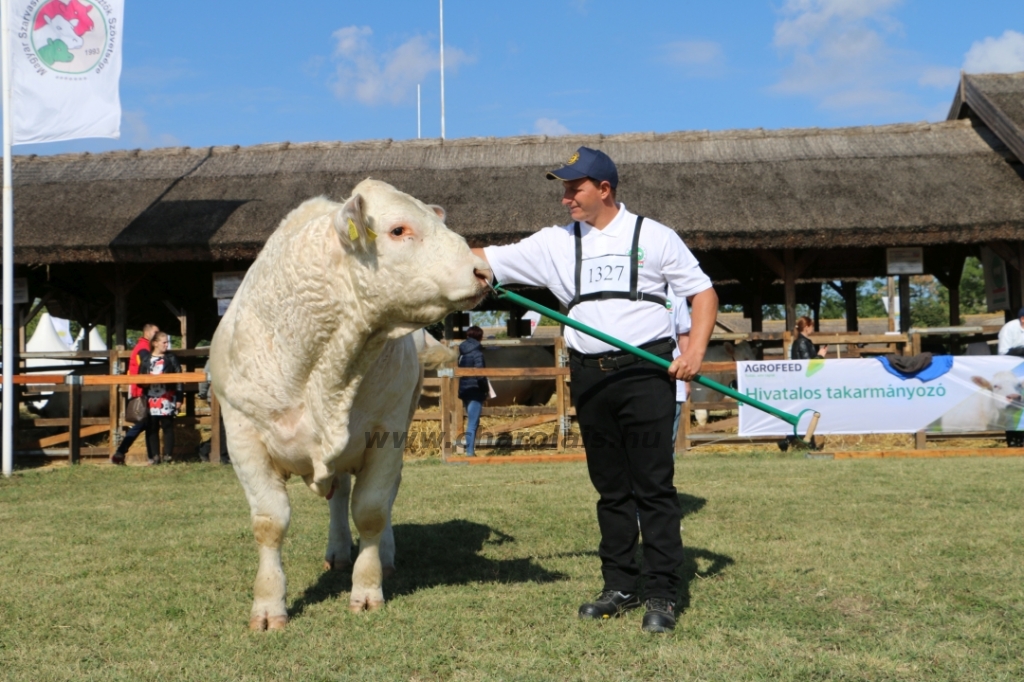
(952, 395)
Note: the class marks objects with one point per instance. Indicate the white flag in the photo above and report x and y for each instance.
(65, 68)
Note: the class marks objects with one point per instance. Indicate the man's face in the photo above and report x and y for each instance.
(584, 199)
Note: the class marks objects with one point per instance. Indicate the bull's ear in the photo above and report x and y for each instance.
(983, 382)
(439, 211)
(353, 225)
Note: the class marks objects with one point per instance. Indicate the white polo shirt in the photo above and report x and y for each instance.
(548, 259)
(681, 315)
(1010, 336)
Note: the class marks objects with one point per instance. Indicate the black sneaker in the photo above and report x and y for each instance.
(609, 603)
(660, 616)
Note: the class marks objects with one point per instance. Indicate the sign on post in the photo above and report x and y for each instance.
(20, 290)
(225, 286)
(997, 290)
(907, 260)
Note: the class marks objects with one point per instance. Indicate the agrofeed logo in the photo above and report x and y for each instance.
(66, 37)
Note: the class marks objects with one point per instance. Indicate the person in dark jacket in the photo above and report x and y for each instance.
(803, 348)
(164, 400)
(473, 391)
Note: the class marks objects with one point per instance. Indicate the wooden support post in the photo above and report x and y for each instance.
(915, 344)
(446, 420)
(215, 430)
(683, 439)
(560, 395)
(74, 382)
(850, 298)
(114, 367)
(458, 414)
(904, 303)
(1020, 272)
(789, 262)
(787, 344)
(920, 440)
(891, 307)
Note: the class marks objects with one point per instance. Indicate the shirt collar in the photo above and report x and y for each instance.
(616, 227)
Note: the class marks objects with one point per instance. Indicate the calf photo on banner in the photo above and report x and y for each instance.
(65, 68)
(952, 395)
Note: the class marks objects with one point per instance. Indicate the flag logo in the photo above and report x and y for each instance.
(67, 37)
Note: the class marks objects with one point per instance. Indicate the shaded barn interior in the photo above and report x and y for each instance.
(122, 238)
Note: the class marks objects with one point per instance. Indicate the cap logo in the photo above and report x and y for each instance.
(573, 159)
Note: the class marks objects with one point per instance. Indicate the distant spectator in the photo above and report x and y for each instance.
(473, 391)
(1011, 342)
(134, 391)
(164, 399)
(803, 348)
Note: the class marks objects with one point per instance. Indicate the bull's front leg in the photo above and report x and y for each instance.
(372, 496)
(270, 512)
(339, 537)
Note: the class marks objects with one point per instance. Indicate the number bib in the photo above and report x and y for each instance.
(604, 273)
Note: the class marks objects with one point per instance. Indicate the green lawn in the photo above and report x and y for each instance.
(796, 570)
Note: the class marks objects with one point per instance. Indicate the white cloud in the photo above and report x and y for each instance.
(841, 57)
(695, 57)
(136, 132)
(389, 78)
(550, 127)
(1004, 54)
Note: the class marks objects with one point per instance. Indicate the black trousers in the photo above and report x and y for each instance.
(626, 419)
(154, 425)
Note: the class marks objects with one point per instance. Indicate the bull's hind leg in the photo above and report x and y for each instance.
(268, 505)
(339, 536)
(372, 496)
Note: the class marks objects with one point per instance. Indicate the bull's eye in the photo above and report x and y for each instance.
(398, 231)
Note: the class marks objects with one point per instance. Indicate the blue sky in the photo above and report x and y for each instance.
(210, 73)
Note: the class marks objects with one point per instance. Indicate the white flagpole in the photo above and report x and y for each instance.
(441, 4)
(9, 406)
(419, 128)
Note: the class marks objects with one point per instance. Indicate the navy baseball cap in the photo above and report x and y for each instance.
(588, 163)
(1020, 313)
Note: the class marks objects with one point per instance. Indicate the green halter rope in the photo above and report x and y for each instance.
(660, 362)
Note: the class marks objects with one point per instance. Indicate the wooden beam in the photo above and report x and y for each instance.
(805, 261)
(849, 292)
(773, 262)
(789, 283)
(904, 303)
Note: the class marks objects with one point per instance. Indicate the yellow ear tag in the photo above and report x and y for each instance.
(370, 234)
(353, 233)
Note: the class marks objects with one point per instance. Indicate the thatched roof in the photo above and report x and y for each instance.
(903, 184)
(997, 100)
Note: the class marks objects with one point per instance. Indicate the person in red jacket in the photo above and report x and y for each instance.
(134, 391)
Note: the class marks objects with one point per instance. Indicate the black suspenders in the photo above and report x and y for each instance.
(634, 273)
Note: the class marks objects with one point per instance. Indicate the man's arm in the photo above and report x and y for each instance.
(703, 313)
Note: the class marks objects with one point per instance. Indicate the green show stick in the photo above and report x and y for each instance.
(793, 419)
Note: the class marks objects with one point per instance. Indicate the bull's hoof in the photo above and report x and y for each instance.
(331, 564)
(263, 622)
(360, 605)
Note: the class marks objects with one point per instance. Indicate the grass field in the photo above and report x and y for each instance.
(796, 570)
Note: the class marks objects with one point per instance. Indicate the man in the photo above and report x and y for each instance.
(1011, 342)
(612, 270)
(135, 391)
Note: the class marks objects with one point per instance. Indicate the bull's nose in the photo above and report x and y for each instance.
(484, 275)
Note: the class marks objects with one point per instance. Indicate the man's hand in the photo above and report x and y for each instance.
(686, 365)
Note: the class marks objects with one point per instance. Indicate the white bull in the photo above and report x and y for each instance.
(313, 357)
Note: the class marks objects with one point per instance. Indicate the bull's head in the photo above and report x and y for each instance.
(414, 269)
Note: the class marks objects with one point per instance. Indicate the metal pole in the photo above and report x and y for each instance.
(441, 5)
(419, 129)
(10, 406)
